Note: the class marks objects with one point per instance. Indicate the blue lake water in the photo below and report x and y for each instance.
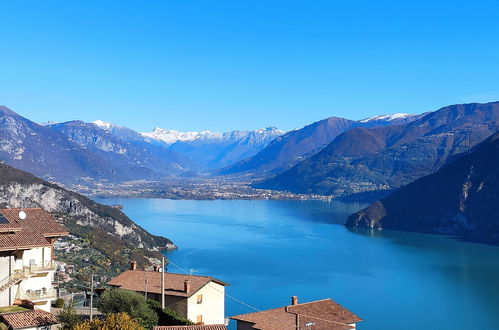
(271, 250)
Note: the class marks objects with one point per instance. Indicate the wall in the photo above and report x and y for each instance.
(213, 306)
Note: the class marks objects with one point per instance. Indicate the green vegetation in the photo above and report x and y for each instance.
(12, 309)
(68, 317)
(167, 316)
(59, 303)
(122, 301)
(98, 252)
(121, 321)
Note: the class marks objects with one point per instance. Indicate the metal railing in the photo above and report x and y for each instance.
(37, 294)
(26, 272)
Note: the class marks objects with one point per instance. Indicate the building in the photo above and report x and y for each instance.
(317, 315)
(27, 256)
(201, 299)
(30, 320)
(192, 327)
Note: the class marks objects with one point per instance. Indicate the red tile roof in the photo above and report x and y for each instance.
(32, 318)
(32, 231)
(192, 327)
(325, 314)
(135, 280)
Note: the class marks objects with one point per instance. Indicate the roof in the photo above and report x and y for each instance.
(192, 327)
(33, 231)
(325, 314)
(32, 318)
(135, 280)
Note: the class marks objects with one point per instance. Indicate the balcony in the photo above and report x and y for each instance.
(33, 295)
(42, 266)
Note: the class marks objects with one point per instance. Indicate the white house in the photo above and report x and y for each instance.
(201, 299)
(27, 256)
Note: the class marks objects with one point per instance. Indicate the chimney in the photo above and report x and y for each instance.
(187, 286)
(133, 265)
(294, 300)
(155, 268)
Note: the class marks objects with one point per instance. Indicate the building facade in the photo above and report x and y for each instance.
(27, 263)
(201, 299)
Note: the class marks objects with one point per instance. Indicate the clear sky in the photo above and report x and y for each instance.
(235, 64)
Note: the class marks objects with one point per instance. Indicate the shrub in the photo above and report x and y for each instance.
(119, 321)
(68, 317)
(59, 303)
(167, 316)
(122, 301)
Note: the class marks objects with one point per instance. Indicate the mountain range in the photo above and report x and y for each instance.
(380, 158)
(297, 145)
(79, 152)
(462, 199)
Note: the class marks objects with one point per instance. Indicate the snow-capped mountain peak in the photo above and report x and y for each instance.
(170, 136)
(103, 124)
(391, 117)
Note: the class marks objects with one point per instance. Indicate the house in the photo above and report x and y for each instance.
(192, 327)
(317, 315)
(201, 299)
(30, 320)
(27, 256)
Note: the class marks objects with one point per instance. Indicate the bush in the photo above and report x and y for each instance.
(119, 321)
(122, 301)
(59, 303)
(167, 316)
(68, 317)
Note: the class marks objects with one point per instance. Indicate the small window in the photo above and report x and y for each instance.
(200, 298)
(199, 319)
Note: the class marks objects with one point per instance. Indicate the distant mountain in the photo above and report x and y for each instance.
(213, 149)
(125, 149)
(461, 199)
(47, 153)
(295, 146)
(167, 136)
(366, 159)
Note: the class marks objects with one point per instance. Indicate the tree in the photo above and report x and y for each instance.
(167, 316)
(119, 321)
(68, 317)
(122, 301)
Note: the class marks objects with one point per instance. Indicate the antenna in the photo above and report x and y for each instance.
(22, 215)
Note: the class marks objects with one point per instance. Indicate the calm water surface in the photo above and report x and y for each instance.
(271, 250)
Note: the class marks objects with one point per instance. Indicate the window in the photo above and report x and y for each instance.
(199, 319)
(200, 298)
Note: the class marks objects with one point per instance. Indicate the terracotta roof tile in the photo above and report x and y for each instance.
(32, 318)
(135, 280)
(34, 230)
(192, 327)
(325, 314)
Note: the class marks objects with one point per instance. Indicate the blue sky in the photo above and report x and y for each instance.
(222, 65)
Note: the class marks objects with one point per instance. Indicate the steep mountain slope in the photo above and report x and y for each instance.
(109, 230)
(460, 199)
(297, 145)
(388, 157)
(124, 149)
(45, 152)
(214, 150)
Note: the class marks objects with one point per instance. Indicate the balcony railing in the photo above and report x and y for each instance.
(43, 266)
(26, 272)
(37, 294)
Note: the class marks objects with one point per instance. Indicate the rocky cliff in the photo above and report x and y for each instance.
(109, 230)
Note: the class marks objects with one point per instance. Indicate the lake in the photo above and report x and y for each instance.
(271, 250)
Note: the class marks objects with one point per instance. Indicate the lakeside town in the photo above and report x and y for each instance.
(142, 297)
